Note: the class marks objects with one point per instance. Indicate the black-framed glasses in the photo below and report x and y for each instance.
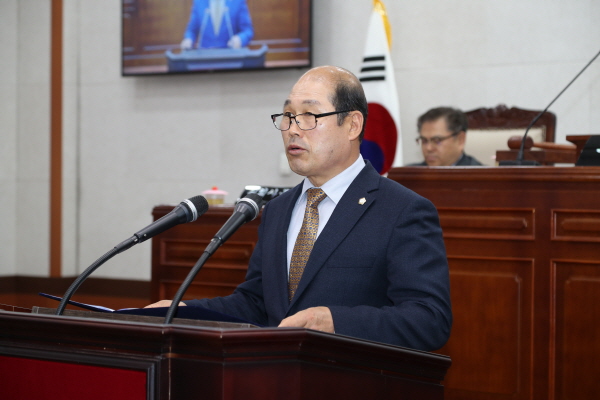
(436, 140)
(305, 121)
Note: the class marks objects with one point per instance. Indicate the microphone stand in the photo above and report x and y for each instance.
(186, 283)
(520, 154)
(126, 244)
(187, 211)
(246, 210)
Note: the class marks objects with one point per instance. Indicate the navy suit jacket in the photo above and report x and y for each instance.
(380, 267)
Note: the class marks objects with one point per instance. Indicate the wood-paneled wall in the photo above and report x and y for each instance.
(23, 291)
(523, 247)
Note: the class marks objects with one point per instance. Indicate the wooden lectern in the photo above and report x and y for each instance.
(64, 357)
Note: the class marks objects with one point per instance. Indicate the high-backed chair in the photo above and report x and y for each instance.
(490, 129)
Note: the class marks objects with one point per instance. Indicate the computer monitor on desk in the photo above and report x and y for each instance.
(590, 155)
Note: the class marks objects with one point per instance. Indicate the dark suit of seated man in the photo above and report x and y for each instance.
(378, 267)
(442, 136)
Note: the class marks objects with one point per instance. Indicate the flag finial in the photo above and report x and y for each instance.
(380, 8)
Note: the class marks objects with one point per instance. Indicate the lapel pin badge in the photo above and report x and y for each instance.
(362, 201)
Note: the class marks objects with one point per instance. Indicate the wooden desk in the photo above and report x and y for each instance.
(542, 156)
(548, 156)
(523, 247)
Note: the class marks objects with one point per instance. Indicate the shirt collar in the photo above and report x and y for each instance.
(336, 186)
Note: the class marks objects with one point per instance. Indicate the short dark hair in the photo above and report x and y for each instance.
(348, 94)
(456, 120)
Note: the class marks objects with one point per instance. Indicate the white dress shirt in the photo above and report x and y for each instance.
(335, 189)
(217, 7)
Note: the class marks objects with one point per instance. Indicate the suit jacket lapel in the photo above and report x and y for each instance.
(346, 214)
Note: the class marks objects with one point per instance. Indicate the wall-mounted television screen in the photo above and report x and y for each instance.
(186, 36)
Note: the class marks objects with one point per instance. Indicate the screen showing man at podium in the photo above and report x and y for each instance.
(216, 24)
(347, 251)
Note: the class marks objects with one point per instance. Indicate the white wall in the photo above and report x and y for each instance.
(25, 124)
(134, 142)
(472, 54)
(8, 136)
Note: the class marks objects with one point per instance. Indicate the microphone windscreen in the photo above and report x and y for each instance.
(255, 197)
(255, 201)
(199, 204)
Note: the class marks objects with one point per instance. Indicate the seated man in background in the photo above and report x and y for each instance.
(378, 268)
(442, 136)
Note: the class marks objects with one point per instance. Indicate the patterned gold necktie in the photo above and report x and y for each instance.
(306, 238)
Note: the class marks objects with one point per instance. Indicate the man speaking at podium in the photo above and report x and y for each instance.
(377, 269)
(218, 24)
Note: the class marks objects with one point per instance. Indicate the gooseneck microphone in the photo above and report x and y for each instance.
(520, 154)
(245, 211)
(187, 211)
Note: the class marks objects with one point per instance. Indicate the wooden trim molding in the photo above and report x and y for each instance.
(23, 291)
(92, 286)
(56, 138)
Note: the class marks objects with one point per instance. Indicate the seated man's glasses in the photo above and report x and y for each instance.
(305, 121)
(436, 140)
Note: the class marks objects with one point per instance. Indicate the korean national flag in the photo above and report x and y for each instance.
(381, 144)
